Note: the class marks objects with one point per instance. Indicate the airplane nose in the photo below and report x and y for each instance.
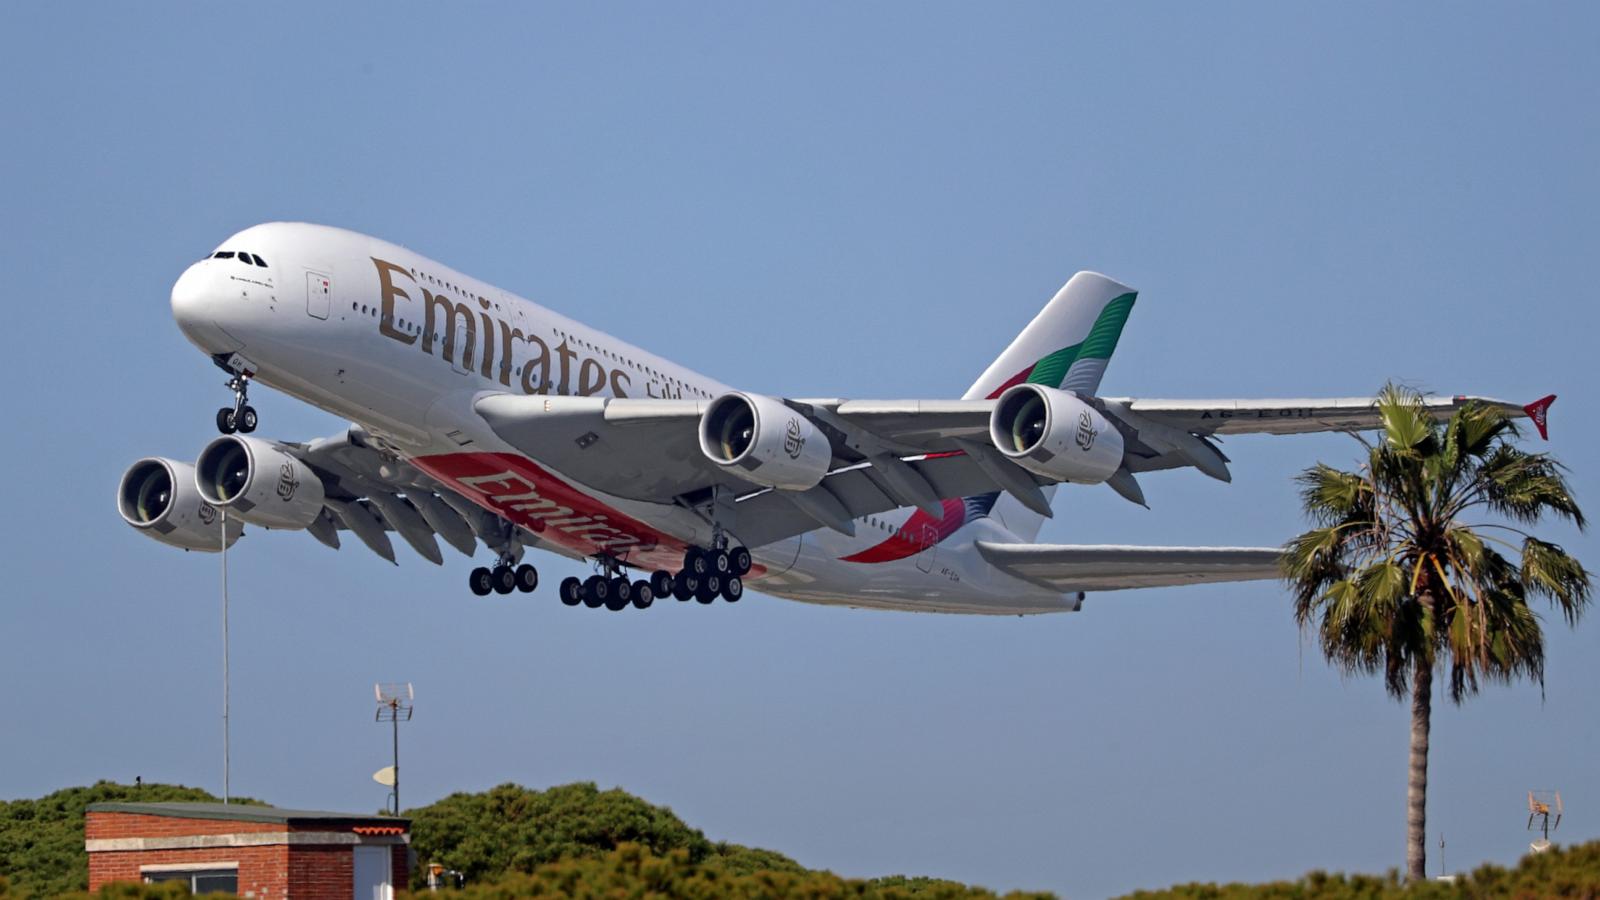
(195, 299)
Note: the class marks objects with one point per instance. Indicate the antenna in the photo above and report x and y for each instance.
(1541, 806)
(394, 706)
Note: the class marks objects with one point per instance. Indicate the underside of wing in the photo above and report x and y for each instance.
(1280, 416)
(1068, 568)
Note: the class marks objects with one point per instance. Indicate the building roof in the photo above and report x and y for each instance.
(240, 812)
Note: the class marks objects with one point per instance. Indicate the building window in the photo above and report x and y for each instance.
(200, 881)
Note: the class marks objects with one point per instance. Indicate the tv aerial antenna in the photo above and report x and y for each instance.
(394, 707)
(1542, 805)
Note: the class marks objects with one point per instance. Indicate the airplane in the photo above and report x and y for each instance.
(478, 416)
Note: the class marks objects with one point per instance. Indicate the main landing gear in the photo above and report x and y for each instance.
(609, 588)
(241, 416)
(709, 574)
(705, 576)
(503, 578)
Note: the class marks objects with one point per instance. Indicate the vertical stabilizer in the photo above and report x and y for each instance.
(1068, 344)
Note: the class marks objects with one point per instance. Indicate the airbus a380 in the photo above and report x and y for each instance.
(480, 416)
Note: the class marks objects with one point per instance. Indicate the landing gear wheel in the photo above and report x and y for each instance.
(527, 578)
(661, 583)
(719, 561)
(683, 585)
(695, 562)
(733, 589)
(247, 420)
(225, 420)
(596, 591)
(505, 580)
(739, 561)
(571, 591)
(710, 587)
(643, 594)
(621, 593)
(481, 580)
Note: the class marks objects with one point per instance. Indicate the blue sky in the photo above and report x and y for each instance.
(829, 200)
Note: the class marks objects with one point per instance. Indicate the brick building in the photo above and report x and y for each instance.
(253, 851)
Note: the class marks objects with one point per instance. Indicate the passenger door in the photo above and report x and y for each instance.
(319, 294)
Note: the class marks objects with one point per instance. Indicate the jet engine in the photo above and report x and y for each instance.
(259, 482)
(159, 497)
(1055, 434)
(761, 440)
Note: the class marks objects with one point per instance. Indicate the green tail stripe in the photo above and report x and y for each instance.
(1100, 343)
(1102, 339)
(1053, 368)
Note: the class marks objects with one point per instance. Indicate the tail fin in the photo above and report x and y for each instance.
(1068, 344)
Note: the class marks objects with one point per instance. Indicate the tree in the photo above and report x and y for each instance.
(1420, 561)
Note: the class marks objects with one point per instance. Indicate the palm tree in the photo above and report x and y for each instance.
(1420, 561)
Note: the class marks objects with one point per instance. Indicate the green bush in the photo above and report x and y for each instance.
(633, 871)
(41, 841)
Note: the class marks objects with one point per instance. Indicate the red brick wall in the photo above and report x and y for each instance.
(262, 870)
(304, 872)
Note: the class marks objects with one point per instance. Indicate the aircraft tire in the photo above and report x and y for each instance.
(695, 562)
(571, 591)
(247, 420)
(225, 420)
(481, 581)
(733, 589)
(720, 563)
(527, 578)
(710, 587)
(661, 583)
(505, 580)
(596, 591)
(739, 561)
(643, 594)
(683, 585)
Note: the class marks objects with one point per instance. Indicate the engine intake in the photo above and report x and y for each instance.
(1055, 434)
(765, 442)
(159, 497)
(259, 482)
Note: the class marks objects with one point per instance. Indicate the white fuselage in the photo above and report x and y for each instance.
(403, 346)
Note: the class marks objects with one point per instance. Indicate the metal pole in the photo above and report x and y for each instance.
(226, 755)
(396, 720)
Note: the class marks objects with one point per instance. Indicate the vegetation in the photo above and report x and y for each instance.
(41, 841)
(1559, 872)
(1418, 562)
(511, 829)
(633, 870)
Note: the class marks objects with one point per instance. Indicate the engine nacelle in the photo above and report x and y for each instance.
(258, 482)
(1054, 434)
(761, 440)
(159, 497)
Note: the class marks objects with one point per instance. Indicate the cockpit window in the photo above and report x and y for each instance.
(222, 254)
(258, 260)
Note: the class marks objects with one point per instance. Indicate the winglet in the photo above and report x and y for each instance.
(1539, 412)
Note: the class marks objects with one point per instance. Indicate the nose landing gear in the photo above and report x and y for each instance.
(241, 416)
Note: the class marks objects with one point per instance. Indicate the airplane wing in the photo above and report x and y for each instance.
(886, 454)
(1070, 568)
(370, 495)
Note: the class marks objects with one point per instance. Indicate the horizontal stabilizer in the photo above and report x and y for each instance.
(1069, 567)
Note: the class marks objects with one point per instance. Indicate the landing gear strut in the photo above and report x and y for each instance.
(241, 416)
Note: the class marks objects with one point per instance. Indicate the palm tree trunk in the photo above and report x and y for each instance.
(1417, 784)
